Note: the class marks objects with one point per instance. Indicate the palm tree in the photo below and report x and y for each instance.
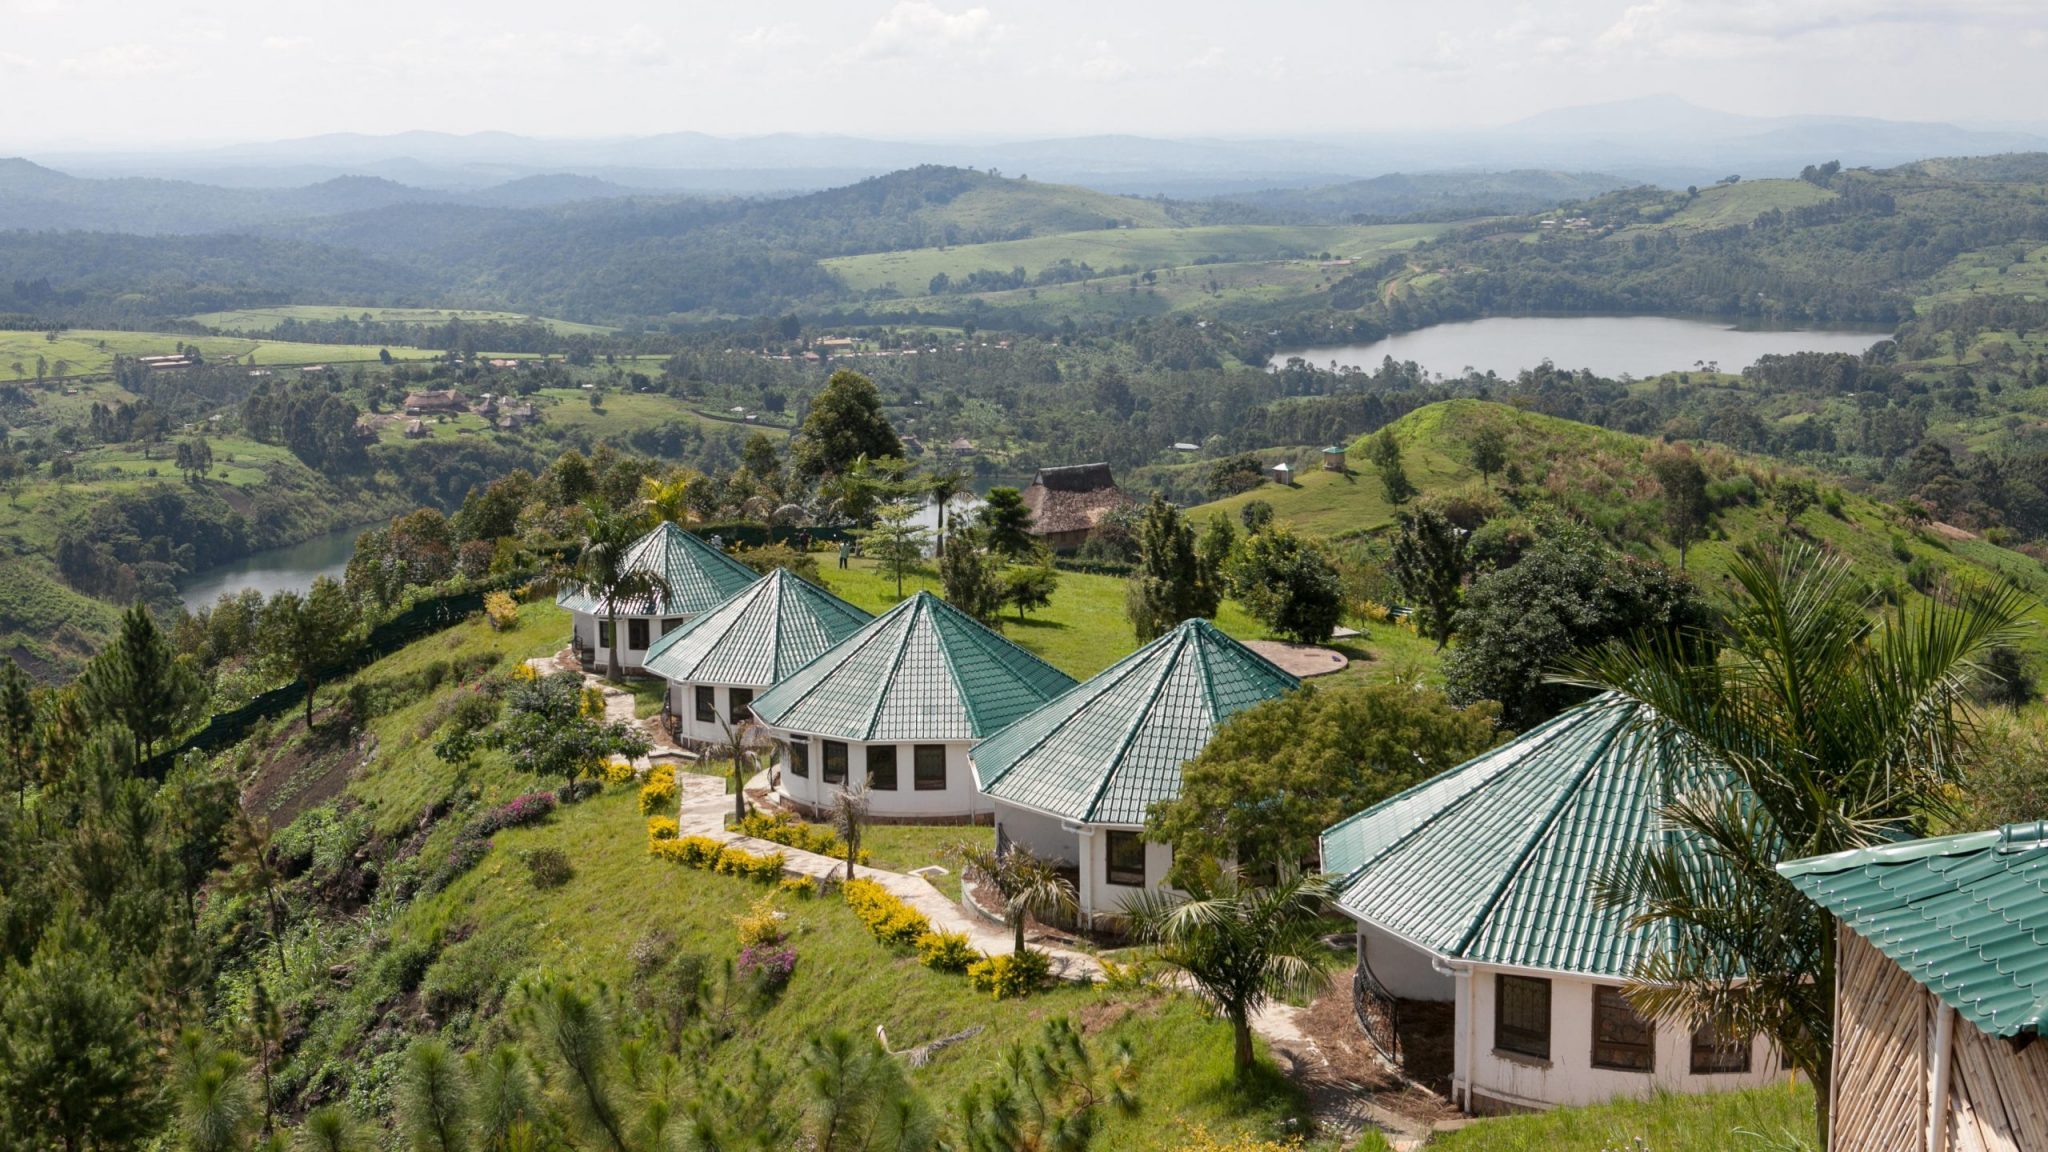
(1839, 733)
(740, 738)
(601, 567)
(849, 819)
(1028, 884)
(1242, 946)
(942, 487)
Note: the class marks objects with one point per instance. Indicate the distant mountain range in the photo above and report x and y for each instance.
(1657, 139)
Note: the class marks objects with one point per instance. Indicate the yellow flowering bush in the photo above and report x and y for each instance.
(889, 919)
(1011, 974)
(501, 610)
(660, 828)
(658, 795)
(945, 951)
(617, 771)
(760, 925)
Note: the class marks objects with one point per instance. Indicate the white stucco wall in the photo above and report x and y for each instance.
(1085, 847)
(1569, 1076)
(1404, 970)
(682, 701)
(959, 799)
(587, 634)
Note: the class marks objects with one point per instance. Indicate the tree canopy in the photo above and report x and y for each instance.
(845, 423)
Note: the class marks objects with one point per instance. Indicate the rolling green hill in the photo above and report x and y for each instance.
(1602, 476)
(258, 320)
(91, 352)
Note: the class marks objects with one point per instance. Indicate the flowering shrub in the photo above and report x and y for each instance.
(749, 866)
(783, 828)
(945, 951)
(577, 791)
(889, 919)
(661, 828)
(760, 924)
(766, 967)
(591, 702)
(1199, 1139)
(658, 795)
(501, 610)
(1011, 974)
(801, 887)
(694, 851)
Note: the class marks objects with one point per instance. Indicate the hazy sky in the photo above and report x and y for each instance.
(179, 71)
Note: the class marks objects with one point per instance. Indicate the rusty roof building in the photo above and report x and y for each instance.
(1068, 502)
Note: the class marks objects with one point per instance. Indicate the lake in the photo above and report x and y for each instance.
(295, 567)
(1609, 345)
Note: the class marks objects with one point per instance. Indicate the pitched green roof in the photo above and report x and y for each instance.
(920, 671)
(775, 626)
(1108, 750)
(1492, 861)
(1966, 916)
(699, 576)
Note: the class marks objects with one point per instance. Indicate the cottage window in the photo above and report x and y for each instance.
(1717, 1051)
(928, 767)
(835, 761)
(1521, 1016)
(1126, 852)
(604, 634)
(670, 624)
(882, 767)
(739, 701)
(800, 758)
(636, 634)
(707, 704)
(1622, 1039)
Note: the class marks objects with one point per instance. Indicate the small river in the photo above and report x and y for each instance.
(1609, 345)
(293, 567)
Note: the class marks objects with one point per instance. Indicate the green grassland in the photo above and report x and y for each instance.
(491, 928)
(91, 352)
(2007, 270)
(910, 272)
(1758, 1118)
(1602, 476)
(1014, 206)
(256, 320)
(1724, 205)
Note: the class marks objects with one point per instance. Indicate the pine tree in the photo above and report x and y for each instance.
(17, 730)
(1171, 584)
(138, 683)
(75, 1071)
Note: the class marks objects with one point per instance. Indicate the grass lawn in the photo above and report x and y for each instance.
(1709, 1123)
(86, 351)
(626, 412)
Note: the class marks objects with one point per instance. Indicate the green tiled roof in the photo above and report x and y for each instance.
(920, 671)
(772, 628)
(1966, 916)
(1492, 861)
(1109, 749)
(699, 576)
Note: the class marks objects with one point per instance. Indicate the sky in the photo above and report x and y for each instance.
(178, 72)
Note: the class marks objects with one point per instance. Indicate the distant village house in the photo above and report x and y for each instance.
(1068, 502)
(426, 403)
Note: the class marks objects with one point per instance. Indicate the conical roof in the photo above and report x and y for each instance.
(699, 576)
(775, 626)
(1111, 748)
(921, 671)
(1493, 861)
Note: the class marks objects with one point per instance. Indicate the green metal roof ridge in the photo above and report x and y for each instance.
(877, 628)
(776, 593)
(994, 645)
(1181, 638)
(895, 668)
(1093, 687)
(1539, 737)
(1899, 853)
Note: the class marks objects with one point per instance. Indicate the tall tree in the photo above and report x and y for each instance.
(1005, 523)
(433, 1098)
(1051, 1096)
(603, 570)
(1289, 584)
(1837, 735)
(1384, 450)
(308, 636)
(1429, 565)
(1685, 497)
(139, 683)
(972, 581)
(17, 731)
(1170, 585)
(1240, 946)
(1489, 453)
(845, 423)
(897, 541)
(75, 1069)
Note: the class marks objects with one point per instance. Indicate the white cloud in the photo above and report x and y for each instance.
(771, 36)
(120, 60)
(921, 28)
(1102, 63)
(285, 43)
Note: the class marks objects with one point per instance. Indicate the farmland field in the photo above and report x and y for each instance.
(911, 272)
(91, 352)
(265, 319)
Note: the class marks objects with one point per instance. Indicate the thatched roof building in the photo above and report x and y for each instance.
(1067, 503)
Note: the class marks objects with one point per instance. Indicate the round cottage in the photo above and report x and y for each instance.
(896, 706)
(699, 578)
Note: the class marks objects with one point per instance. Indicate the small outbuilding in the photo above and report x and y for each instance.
(716, 664)
(897, 705)
(1475, 887)
(1282, 474)
(699, 578)
(1067, 503)
(1333, 459)
(1941, 986)
(1074, 780)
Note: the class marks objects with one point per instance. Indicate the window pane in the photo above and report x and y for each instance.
(1715, 1051)
(604, 634)
(799, 758)
(835, 762)
(882, 767)
(707, 704)
(1621, 1039)
(929, 767)
(1522, 1016)
(670, 624)
(1126, 852)
(740, 700)
(636, 633)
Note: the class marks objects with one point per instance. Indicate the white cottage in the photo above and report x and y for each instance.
(897, 705)
(1474, 887)
(717, 663)
(1074, 780)
(699, 578)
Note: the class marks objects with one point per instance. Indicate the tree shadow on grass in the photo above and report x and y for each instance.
(1034, 622)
